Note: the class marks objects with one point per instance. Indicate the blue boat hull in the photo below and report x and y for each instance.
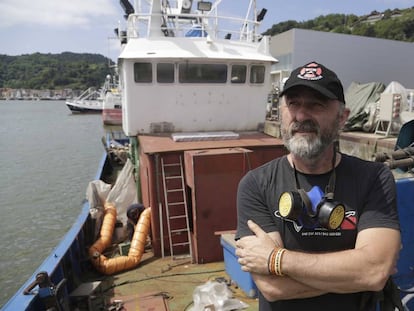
(68, 260)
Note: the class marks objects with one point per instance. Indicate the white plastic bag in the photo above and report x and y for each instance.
(215, 296)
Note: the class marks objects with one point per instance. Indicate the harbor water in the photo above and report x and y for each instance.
(47, 158)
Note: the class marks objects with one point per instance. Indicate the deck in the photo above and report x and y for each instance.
(163, 284)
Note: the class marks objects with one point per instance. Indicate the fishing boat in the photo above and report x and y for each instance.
(106, 100)
(112, 102)
(112, 108)
(195, 85)
(89, 101)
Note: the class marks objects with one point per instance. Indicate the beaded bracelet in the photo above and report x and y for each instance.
(274, 262)
(278, 261)
(271, 261)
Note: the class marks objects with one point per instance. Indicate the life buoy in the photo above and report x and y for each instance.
(110, 266)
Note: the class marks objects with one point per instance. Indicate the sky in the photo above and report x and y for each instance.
(86, 26)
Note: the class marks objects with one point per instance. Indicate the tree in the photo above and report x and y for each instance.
(50, 71)
(391, 26)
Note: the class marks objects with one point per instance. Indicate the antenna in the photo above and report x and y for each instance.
(127, 7)
(261, 15)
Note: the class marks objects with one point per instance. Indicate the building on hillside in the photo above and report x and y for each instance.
(353, 58)
(396, 13)
(373, 17)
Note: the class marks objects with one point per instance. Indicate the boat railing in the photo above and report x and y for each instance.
(172, 22)
(89, 94)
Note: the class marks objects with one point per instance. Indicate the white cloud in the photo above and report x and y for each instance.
(54, 13)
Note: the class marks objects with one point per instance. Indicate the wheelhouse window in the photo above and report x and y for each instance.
(257, 74)
(165, 73)
(202, 73)
(238, 74)
(142, 72)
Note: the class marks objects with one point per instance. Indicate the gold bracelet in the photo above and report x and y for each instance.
(271, 263)
(278, 262)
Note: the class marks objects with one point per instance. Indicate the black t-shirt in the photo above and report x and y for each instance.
(366, 189)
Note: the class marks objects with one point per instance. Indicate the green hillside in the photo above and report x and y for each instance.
(53, 71)
(392, 24)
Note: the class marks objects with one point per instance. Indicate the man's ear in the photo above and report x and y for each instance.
(344, 117)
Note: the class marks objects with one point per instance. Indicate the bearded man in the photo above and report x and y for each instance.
(317, 229)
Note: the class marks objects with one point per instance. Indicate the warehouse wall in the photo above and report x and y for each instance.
(353, 58)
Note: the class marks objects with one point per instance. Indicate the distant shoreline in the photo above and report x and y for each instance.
(33, 98)
(34, 94)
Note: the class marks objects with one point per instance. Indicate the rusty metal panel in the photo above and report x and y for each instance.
(215, 177)
(148, 177)
(212, 176)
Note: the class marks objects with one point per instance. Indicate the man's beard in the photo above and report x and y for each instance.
(309, 146)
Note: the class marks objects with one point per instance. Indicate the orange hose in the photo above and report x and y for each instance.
(110, 266)
(107, 230)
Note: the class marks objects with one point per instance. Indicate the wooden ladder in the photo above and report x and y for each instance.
(175, 198)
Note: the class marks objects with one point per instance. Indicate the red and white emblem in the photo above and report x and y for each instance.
(311, 71)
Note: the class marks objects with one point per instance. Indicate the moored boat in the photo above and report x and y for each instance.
(89, 101)
(112, 108)
(112, 102)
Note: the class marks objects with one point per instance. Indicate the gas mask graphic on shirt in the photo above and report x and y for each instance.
(312, 209)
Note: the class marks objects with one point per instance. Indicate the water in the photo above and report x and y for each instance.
(47, 158)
